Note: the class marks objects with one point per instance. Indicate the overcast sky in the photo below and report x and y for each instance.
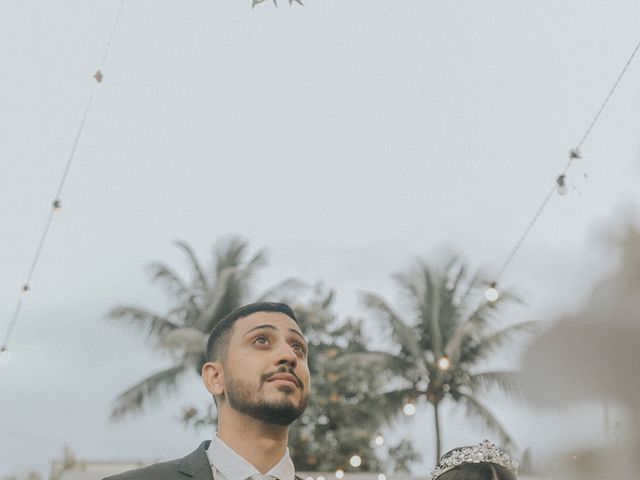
(348, 137)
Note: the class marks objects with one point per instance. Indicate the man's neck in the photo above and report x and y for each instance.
(259, 443)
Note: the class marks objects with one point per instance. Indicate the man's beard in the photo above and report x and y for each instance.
(241, 396)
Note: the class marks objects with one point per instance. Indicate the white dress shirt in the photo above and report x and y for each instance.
(226, 464)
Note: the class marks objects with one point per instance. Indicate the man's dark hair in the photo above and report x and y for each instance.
(218, 343)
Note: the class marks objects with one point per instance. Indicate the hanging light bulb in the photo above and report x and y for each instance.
(444, 363)
(379, 440)
(575, 153)
(355, 461)
(561, 186)
(339, 473)
(382, 476)
(409, 409)
(5, 356)
(492, 294)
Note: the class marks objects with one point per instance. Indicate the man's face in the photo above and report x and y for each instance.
(266, 375)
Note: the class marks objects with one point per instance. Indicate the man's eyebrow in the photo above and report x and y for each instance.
(260, 327)
(271, 327)
(293, 330)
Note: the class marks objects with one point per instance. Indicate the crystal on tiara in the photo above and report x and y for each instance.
(484, 452)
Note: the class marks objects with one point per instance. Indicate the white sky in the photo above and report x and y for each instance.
(348, 137)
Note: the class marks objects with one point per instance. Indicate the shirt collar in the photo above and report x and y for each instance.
(233, 467)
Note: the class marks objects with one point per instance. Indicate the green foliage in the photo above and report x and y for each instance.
(196, 307)
(351, 398)
(448, 320)
(275, 2)
(342, 417)
(402, 456)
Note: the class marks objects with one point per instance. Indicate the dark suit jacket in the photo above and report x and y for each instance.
(194, 466)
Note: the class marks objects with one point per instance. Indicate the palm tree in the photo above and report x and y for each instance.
(440, 348)
(197, 307)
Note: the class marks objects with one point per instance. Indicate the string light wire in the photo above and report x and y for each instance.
(56, 202)
(573, 155)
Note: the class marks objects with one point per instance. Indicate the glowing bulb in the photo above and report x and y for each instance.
(379, 440)
(309, 478)
(355, 461)
(339, 473)
(444, 363)
(492, 294)
(382, 476)
(5, 356)
(561, 186)
(409, 409)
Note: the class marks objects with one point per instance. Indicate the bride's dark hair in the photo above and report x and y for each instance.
(478, 471)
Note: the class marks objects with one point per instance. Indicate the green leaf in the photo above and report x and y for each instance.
(156, 325)
(148, 390)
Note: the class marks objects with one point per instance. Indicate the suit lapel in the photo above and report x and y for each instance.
(196, 464)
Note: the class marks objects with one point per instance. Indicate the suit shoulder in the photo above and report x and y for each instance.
(150, 472)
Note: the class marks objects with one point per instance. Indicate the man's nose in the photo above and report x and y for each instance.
(286, 356)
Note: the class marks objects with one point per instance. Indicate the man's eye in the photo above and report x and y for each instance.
(298, 347)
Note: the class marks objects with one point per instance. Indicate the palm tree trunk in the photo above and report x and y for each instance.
(436, 418)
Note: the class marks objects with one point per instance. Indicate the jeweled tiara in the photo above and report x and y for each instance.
(484, 452)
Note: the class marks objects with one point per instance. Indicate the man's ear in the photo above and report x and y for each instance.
(213, 378)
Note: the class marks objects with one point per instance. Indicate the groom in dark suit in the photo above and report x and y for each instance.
(258, 375)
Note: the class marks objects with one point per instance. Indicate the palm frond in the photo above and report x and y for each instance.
(229, 253)
(156, 325)
(404, 334)
(394, 400)
(477, 321)
(472, 287)
(407, 282)
(148, 390)
(166, 275)
(198, 270)
(503, 381)
(488, 344)
(187, 341)
(373, 360)
(259, 260)
(482, 413)
(224, 298)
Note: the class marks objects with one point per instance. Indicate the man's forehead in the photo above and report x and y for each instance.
(277, 320)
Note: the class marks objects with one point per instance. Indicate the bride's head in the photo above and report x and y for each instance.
(479, 462)
(478, 471)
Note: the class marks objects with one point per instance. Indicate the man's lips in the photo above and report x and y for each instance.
(285, 376)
